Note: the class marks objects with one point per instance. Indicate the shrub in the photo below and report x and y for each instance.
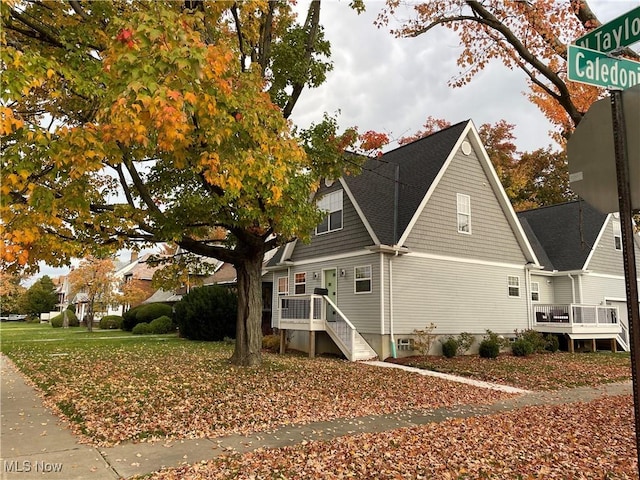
(424, 339)
(58, 320)
(271, 343)
(465, 340)
(145, 314)
(207, 313)
(552, 344)
(141, 329)
(162, 325)
(534, 338)
(450, 347)
(522, 347)
(110, 322)
(489, 348)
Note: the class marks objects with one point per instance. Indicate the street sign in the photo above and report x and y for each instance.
(591, 153)
(599, 69)
(619, 32)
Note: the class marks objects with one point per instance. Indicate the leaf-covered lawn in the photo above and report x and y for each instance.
(573, 441)
(144, 388)
(535, 372)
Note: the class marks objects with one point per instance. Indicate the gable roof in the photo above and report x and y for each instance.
(563, 235)
(417, 165)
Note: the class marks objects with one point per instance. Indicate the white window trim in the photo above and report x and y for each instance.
(535, 288)
(356, 280)
(510, 286)
(295, 284)
(329, 212)
(617, 233)
(465, 201)
(278, 286)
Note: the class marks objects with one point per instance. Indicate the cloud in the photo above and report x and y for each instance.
(392, 85)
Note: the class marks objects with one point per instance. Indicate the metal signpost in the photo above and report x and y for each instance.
(596, 68)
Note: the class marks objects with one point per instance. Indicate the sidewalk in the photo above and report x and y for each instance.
(32, 437)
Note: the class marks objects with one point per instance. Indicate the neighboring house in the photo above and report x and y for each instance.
(580, 249)
(425, 234)
(225, 275)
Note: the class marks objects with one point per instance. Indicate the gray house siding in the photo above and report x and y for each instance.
(606, 259)
(598, 288)
(353, 235)
(456, 296)
(564, 290)
(491, 238)
(546, 285)
(362, 309)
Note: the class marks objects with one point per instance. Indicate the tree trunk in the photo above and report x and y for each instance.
(248, 351)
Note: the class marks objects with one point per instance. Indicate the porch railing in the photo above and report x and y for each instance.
(593, 315)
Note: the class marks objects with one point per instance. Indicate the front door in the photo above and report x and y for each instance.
(330, 282)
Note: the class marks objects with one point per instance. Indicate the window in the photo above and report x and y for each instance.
(535, 291)
(283, 286)
(617, 235)
(332, 204)
(300, 283)
(464, 213)
(362, 279)
(514, 286)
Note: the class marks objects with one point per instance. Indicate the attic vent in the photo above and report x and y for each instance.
(466, 147)
(328, 182)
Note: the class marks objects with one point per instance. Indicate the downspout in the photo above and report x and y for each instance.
(396, 195)
(527, 285)
(392, 339)
(573, 288)
(381, 293)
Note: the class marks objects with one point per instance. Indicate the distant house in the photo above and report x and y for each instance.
(425, 234)
(580, 249)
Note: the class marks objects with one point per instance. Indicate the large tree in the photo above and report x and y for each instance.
(10, 293)
(529, 35)
(135, 121)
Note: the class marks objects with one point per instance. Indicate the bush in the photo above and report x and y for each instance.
(57, 321)
(162, 325)
(207, 313)
(465, 340)
(489, 348)
(424, 339)
(552, 344)
(271, 343)
(141, 329)
(522, 347)
(145, 314)
(450, 347)
(110, 322)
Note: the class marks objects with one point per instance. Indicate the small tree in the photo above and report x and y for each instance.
(10, 292)
(94, 277)
(40, 298)
(424, 339)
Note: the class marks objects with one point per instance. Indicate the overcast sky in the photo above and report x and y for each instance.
(392, 85)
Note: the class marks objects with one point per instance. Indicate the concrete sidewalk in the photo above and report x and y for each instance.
(34, 439)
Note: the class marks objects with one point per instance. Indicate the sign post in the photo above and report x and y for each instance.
(595, 67)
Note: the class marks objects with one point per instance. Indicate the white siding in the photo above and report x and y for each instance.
(606, 259)
(547, 294)
(596, 288)
(456, 296)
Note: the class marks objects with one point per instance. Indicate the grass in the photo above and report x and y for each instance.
(113, 386)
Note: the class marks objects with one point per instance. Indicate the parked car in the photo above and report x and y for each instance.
(14, 317)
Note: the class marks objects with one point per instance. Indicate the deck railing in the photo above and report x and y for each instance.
(593, 315)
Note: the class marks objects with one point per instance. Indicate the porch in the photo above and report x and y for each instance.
(582, 322)
(309, 313)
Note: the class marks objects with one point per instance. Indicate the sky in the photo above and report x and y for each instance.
(392, 85)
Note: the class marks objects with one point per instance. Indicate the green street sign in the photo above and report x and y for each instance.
(619, 32)
(599, 69)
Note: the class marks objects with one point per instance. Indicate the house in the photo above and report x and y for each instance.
(425, 234)
(582, 277)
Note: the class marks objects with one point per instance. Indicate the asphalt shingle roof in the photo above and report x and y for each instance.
(419, 163)
(563, 235)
